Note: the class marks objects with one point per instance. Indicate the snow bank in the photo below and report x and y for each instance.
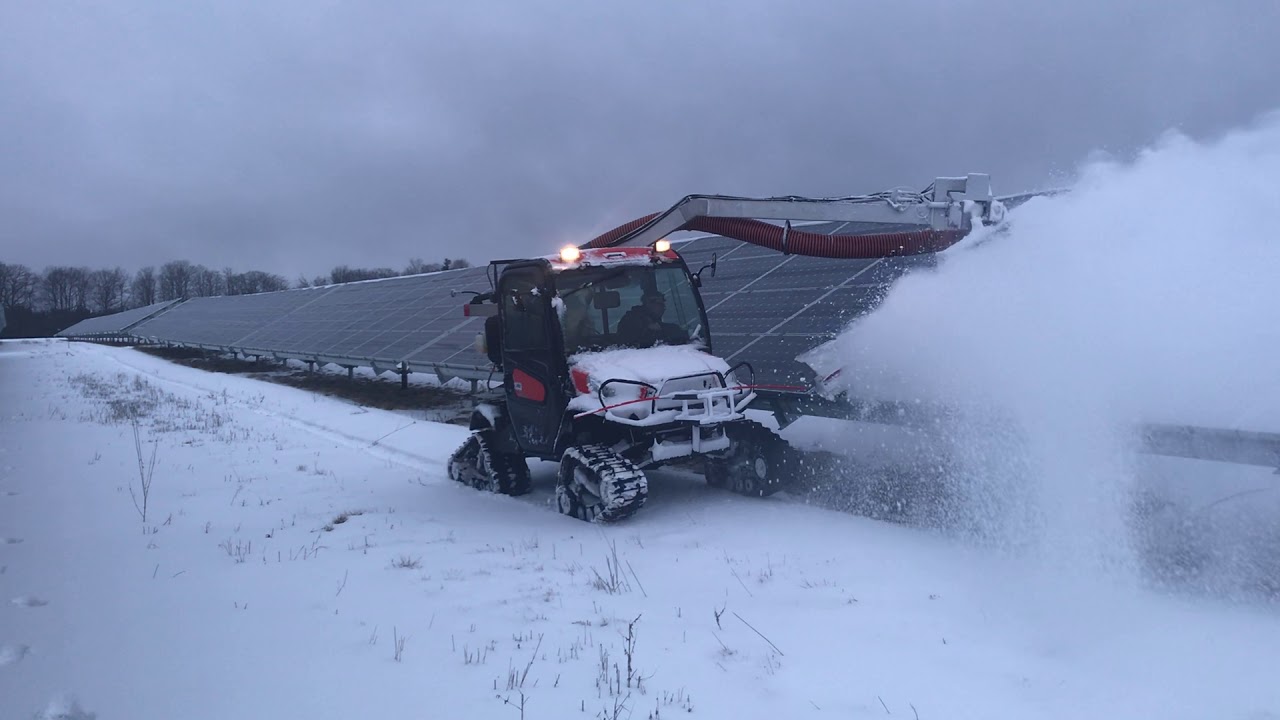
(1148, 293)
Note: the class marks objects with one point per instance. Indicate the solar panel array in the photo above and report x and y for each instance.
(116, 324)
(763, 307)
(416, 322)
(766, 308)
(412, 322)
(221, 322)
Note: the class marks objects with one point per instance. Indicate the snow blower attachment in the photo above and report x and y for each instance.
(606, 354)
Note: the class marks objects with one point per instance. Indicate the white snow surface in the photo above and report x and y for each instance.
(292, 538)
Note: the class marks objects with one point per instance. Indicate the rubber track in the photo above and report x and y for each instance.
(720, 472)
(510, 471)
(623, 486)
(507, 474)
(462, 463)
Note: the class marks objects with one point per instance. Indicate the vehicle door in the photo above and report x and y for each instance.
(531, 362)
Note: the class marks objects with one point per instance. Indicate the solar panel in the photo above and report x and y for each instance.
(383, 320)
(453, 351)
(413, 320)
(750, 312)
(733, 274)
(793, 277)
(773, 357)
(116, 323)
(766, 308)
(698, 252)
(836, 311)
(223, 321)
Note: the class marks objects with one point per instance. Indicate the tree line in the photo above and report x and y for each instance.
(40, 303)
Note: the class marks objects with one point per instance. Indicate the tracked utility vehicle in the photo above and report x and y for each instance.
(608, 369)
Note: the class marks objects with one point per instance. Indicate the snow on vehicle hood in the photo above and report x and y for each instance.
(652, 365)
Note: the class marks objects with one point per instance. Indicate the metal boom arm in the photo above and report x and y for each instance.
(942, 213)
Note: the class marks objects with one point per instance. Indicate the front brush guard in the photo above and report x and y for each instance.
(705, 407)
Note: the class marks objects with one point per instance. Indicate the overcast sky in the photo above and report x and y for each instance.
(295, 136)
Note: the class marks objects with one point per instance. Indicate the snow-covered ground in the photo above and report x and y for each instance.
(303, 557)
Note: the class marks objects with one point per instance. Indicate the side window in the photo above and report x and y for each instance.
(682, 309)
(524, 314)
(581, 322)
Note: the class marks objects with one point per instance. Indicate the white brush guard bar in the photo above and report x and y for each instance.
(703, 407)
(710, 407)
(706, 411)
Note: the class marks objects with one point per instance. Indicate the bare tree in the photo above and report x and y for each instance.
(142, 291)
(417, 266)
(81, 287)
(255, 281)
(18, 286)
(175, 280)
(272, 282)
(234, 281)
(268, 282)
(6, 271)
(108, 289)
(459, 263)
(206, 282)
(231, 281)
(344, 274)
(56, 288)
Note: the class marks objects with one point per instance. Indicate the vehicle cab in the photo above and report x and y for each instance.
(588, 328)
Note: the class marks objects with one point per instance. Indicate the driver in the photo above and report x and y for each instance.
(642, 326)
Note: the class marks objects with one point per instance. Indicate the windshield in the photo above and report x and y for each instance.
(633, 306)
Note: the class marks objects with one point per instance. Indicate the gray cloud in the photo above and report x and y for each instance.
(294, 136)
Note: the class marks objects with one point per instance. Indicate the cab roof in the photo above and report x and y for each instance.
(611, 257)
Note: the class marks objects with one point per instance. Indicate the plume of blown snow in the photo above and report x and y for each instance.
(1148, 293)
